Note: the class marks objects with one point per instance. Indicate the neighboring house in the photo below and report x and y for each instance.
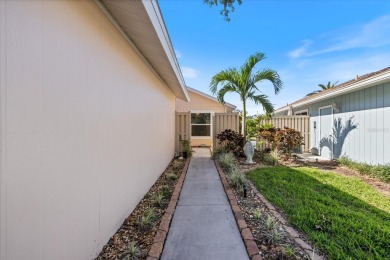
(351, 119)
(202, 108)
(79, 148)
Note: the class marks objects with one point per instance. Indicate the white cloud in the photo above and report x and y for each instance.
(301, 50)
(189, 73)
(373, 34)
(179, 55)
(299, 80)
(347, 68)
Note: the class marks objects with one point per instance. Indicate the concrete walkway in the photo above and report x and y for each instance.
(203, 226)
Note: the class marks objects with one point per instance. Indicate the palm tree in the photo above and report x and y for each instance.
(243, 81)
(323, 87)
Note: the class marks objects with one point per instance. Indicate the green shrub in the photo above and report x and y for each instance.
(380, 172)
(132, 252)
(238, 180)
(270, 223)
(227, 161)
(257, 213)
(165, 190)
(266, 126)
(177, 166)
(218, 151)
(159, 199)
(272, 158)
(186, 146)
(232, 142)
(171, 177)
(289, 251)
(147, 218)
(275, 235)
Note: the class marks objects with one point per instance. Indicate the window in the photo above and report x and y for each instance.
(201, 124)
(302, 112)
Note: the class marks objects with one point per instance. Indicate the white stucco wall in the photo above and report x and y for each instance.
(86, 129)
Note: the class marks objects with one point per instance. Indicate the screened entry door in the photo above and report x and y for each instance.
(326, 120)
(201, 123)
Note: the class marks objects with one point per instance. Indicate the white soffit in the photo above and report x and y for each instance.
(142, 24)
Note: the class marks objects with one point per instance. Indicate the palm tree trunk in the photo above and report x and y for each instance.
(243, 127)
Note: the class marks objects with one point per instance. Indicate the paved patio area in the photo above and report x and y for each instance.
(311, 157)
(203, 226)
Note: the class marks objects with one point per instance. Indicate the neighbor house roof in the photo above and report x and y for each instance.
(141, 23)
(209, 97)
(360, 82)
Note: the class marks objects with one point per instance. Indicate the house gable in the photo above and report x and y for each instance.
(201, 101)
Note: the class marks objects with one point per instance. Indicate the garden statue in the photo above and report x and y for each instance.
(249, 151)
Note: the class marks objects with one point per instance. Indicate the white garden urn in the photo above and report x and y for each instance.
(249, 150)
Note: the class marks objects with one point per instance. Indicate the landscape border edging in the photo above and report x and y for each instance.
(162, 232)
(289, 229)
(246, 234)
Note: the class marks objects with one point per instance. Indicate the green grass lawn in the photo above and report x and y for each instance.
(344, 217)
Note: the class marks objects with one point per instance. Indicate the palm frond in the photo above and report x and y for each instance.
(225, 89)
(263, 101)
(328, 85)
(224, 77)
(246, 69)
(322, 86)
(267, 74)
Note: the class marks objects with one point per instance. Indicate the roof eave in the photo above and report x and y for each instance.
(365, 83)
(173, 80)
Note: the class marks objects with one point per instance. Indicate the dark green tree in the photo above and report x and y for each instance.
(228, 6)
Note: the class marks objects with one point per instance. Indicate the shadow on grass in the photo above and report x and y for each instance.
(327, 208)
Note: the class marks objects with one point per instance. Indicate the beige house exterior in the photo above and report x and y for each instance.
(75, 147)
(199, 104)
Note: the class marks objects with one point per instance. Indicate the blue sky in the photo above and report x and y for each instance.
(306, 42)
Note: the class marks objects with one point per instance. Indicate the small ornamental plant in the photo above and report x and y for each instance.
(186, 147)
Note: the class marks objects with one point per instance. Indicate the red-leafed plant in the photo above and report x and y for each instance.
(231, 141)
(284, 140)
(287, 140)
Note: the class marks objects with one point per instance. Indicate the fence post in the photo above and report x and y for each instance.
(183, 128)
(223, 121)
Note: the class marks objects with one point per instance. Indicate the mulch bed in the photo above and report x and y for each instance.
(142, 236)
(270, 246)
(260, 231)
